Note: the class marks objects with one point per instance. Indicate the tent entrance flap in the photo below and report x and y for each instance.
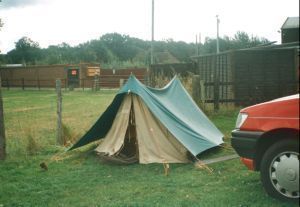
(137, 134)
(119, 145)
(129, 148)
(114, 139)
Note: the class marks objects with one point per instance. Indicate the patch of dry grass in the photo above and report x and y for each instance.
(30, 117)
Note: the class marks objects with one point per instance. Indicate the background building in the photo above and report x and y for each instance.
(290, 30)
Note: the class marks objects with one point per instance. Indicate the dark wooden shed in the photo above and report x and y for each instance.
(250, 76)
(243, 77)
(290, 30)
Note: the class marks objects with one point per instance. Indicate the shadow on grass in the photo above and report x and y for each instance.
(214, 152)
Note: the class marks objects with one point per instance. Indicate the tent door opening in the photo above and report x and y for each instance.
(130, 146)
(136, 135)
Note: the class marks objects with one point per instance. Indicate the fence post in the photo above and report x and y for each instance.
(121, 82)
(66, 84)
(202, 92)
(38, 82)
(23, 84)
(59, 139)
(7, 82)
(96, 83)
(196, 88)
(2, 128)
(216, 94)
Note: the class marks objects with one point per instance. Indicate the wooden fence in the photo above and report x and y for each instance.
(218, 92)
(102, 82)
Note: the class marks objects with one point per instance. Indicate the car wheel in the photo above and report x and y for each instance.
(280, 170)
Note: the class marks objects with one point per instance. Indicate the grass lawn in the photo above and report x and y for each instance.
(78, 178)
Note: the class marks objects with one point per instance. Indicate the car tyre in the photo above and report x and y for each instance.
(280, 170)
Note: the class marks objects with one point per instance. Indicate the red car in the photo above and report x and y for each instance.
(266, 138)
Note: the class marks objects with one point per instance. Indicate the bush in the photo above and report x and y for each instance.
(68, 136)
(32, 146)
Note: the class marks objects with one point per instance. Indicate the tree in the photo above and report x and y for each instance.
(239, 41)
(117, 50)
(26, 51)
(122, 46)
(93, 51)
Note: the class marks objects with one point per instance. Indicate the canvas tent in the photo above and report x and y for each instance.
(156, 125)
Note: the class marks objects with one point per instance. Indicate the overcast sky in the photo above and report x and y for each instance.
(51, 22)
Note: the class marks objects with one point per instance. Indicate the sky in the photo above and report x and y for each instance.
(52, 22)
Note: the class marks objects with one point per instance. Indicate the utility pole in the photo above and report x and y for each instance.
(2, 128)
(59, 138)
(197, 48)
(218, 22)
(199, 43)
(152, 34)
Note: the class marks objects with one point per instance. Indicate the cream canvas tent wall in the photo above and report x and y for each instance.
(156, 125)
